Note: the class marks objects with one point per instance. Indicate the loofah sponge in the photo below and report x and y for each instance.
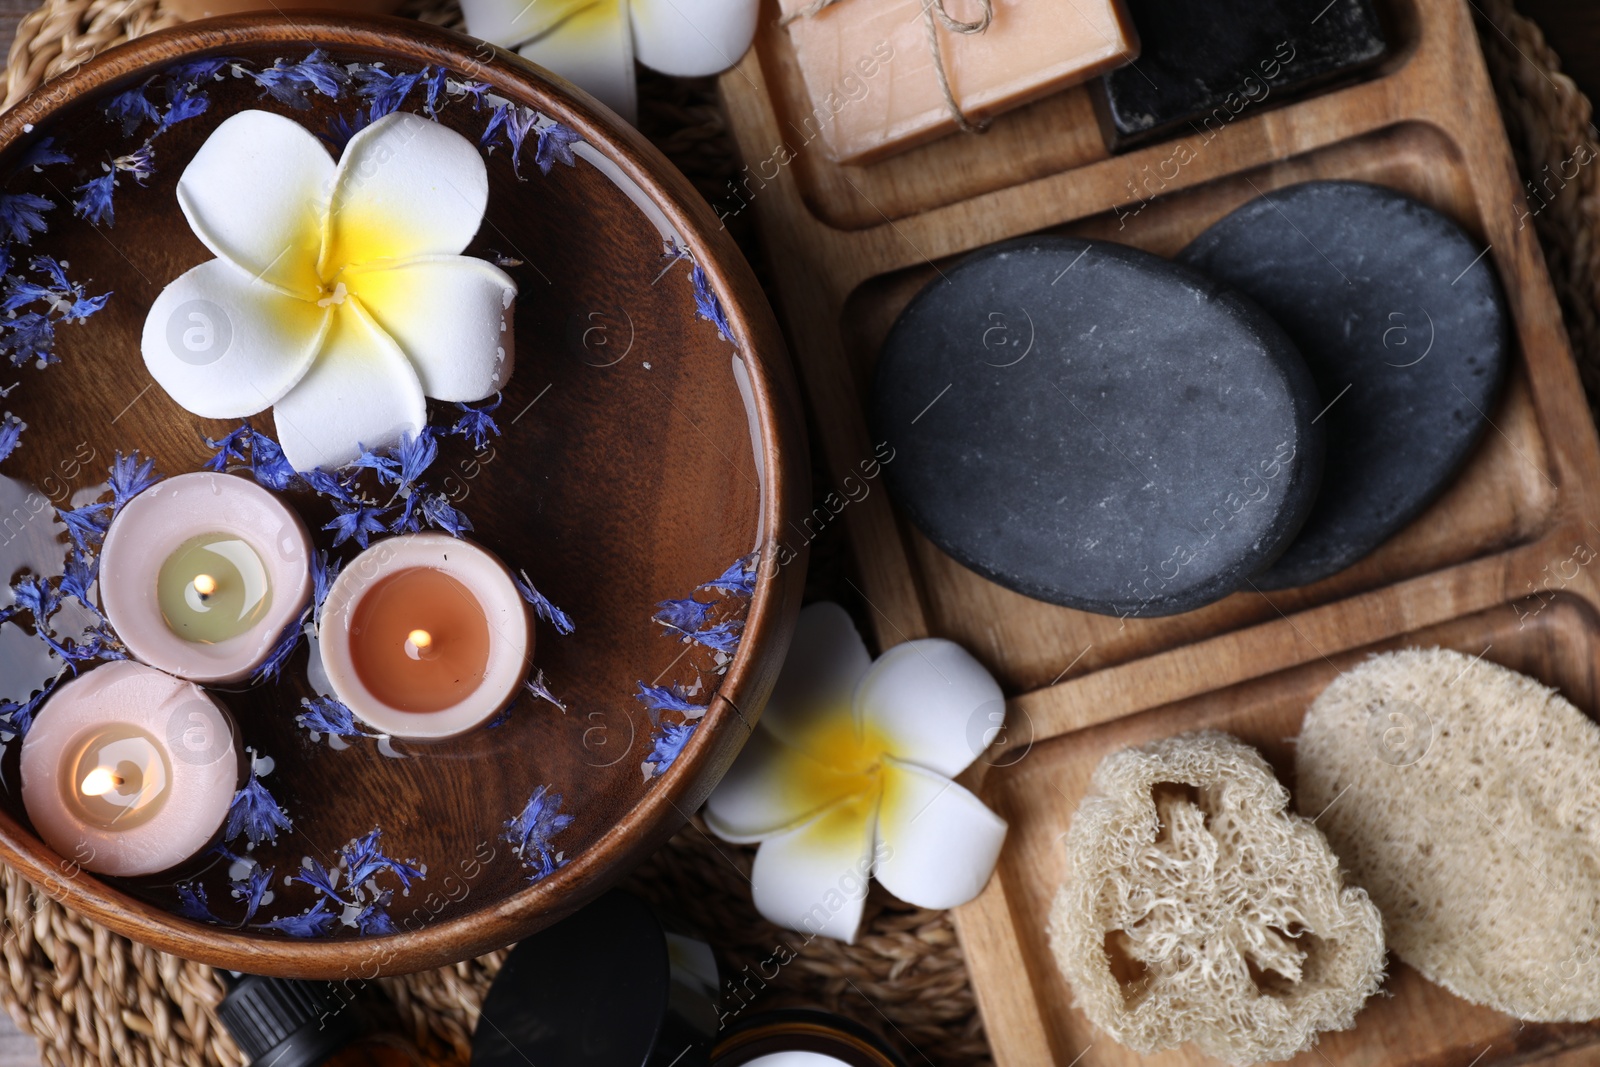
(1197, 908)
(1463, 796)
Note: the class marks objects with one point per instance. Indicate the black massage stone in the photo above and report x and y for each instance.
(1097, 427)
(1203, 63)
(1401, 318)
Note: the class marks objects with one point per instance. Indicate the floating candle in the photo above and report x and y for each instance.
(129, 771)
(202, 572)
(425, 636)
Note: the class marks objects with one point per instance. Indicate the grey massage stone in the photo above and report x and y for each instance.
(1401, 319)
(1097, 427)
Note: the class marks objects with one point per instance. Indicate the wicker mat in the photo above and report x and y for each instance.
(92, 997)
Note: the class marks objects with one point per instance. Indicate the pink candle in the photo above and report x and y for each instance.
(425, 636)
(201, 573)
(129, 771)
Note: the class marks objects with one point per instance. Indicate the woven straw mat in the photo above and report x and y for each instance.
(92, 997)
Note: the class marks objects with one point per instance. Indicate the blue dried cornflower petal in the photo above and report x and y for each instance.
(707, 305)
(328, 715)
(18, 714)
(539, 688)
(278, 658)
(83, 306)
(363, 859)
(435, 80)
(410, 518)
(323, 573)
(251, 889)
(87, 524)
(476, 90)
(35, 595)
(323, 75)
(546, 610)
(667, 746)
(515, 122)
(131, 108)
(11, 429)
(329, 484)
(374, 921)
(529, 833)
(42, 153)
(267, 463)
(129, 478)
(315, 922)
(22, 215)
(438, 511)
(192, 903)
(53, 269)
(386, 90)
(255, 814)
(477, 424)
(416, 454)
(79, 575)
(318, 877)
(659, 698)
(229, 448)
(139, 163)
(356, 521)
(555, 146)
(385, 467)
(194, 71)
(491, 129)
(182, 105)
(685, 615)
(739, 579)
(32, 336)
(723, 637)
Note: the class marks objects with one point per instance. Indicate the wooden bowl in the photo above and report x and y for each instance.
(641, 454)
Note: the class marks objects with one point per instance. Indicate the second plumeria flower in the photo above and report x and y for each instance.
(339, 296)
(849, 773)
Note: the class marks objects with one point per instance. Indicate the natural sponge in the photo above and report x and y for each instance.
(1463, 796)
(1197, 908)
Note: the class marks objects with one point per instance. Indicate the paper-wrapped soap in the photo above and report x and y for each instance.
(869, 69)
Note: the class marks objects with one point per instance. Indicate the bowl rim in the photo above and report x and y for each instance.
(784, 487)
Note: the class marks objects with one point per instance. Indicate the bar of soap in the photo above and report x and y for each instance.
(1095, 426)
(1402, 321)
(869, 73)
(1205, 62)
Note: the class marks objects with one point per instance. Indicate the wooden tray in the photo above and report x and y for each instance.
(858, 242)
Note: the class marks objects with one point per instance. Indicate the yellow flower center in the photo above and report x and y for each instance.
(333, 297)
(836, 762)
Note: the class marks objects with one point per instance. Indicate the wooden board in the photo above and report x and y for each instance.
(851, 245)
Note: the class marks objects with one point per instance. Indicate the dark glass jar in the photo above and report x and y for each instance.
(285, 1023)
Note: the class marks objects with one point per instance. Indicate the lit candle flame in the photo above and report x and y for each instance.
(204, 584)
(99, 782)
(421, 640)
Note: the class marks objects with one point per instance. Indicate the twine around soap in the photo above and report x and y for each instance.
(931, 9)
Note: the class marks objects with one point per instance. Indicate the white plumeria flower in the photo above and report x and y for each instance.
(849, 772)
(593, 43)
(339, 297)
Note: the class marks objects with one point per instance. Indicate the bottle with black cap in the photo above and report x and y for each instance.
(279, 1022)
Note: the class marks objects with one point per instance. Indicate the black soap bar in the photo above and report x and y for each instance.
(1097, 427)
(1204, 63)
(1401, 318)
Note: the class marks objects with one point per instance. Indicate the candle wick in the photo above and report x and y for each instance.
(205, 585)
